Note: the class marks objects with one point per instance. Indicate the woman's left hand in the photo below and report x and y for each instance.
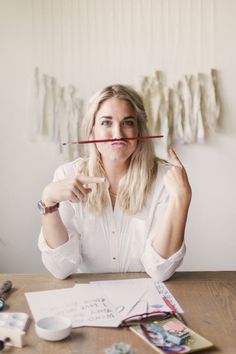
(176, 180)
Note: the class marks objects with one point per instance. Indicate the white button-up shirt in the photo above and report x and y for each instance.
(115, 241)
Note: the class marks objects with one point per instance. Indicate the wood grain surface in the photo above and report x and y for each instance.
(208, 300)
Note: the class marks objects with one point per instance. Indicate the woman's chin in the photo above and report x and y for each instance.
(117, 157)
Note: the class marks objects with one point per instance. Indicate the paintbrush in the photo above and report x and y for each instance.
(111, 140)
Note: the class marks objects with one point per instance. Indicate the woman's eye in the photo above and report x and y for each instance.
(129, 123)
(106, 123)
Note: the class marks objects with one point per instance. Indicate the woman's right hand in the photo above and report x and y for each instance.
(73, 189)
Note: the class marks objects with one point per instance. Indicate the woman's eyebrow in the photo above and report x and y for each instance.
(106, 117)
(110, 117)
(130, 117)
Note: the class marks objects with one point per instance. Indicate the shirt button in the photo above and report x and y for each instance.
(114, 258)
(113, 232)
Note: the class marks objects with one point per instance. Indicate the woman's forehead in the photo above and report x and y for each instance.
(114, 105)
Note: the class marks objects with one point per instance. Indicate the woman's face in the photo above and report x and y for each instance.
(115, 119)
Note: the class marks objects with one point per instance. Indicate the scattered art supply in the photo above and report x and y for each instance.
(53, 328)
(13, 326)
(4, 292)
(119, 348)
(4, 343)
(173, 326)
(11, 337)
(176, 333)
(17, 320)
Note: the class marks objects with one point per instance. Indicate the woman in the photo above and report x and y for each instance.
(122, 209)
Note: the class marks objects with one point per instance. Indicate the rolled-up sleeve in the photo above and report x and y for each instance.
(64, 260)
(159, 268)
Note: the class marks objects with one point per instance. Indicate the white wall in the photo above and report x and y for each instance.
(116, 56)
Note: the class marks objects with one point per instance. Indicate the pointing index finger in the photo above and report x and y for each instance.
(91, 179)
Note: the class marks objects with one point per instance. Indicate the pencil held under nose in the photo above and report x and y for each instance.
(113, 140)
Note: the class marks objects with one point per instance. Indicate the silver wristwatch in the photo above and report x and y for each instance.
(43, 209)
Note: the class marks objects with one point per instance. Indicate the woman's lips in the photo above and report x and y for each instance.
(119, 143)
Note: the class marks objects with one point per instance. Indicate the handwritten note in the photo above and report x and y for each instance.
(83, 306)
(103, 303)
(99, 309)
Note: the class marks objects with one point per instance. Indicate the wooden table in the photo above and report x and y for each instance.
(208, 300)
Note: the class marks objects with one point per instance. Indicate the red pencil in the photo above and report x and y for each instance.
(169, 304)
(174, 310)
(107, 140)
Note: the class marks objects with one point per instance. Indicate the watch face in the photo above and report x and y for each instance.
(41, 207)
(2, 303)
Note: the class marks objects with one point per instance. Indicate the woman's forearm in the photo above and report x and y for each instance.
(71, 189)
(171, 232)
(54, 230)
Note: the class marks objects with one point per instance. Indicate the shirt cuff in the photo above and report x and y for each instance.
(68, 251)
(159, 268)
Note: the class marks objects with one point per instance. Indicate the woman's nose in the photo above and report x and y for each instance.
(117, 131)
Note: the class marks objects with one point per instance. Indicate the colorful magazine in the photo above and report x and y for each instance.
(170, 336)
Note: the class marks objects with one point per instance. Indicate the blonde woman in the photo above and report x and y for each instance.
(121, 209)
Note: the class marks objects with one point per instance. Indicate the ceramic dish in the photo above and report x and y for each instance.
(53, 328)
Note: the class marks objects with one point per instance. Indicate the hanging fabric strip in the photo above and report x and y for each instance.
(56, 113)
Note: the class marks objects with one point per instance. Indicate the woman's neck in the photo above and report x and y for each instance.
(115, 170)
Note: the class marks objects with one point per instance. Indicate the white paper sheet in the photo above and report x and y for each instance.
(103, 303)
(150, 300)
(84, 306)
(124, 295)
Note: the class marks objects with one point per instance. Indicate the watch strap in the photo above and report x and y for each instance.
(51, 209)
(47, 209)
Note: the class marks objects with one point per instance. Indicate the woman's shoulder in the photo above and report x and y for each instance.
(69, 169)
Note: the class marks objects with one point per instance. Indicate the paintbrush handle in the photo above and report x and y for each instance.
(110, 140)
(6, 287)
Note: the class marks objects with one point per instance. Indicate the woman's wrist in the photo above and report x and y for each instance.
(46, 199)
(49, 203)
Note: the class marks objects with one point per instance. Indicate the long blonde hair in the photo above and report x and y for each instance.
(135, 186)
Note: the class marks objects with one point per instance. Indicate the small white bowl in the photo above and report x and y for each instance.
(53, 328)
